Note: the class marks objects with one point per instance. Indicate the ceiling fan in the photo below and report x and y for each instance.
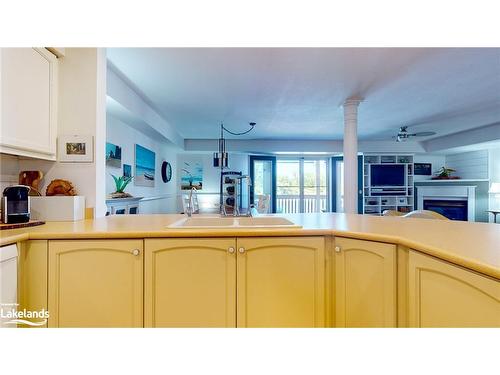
(403, 134)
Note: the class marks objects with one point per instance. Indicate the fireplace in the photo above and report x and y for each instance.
(454, 209)
(454, 202)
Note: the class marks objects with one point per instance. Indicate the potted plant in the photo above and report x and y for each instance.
(120, 185)
(445, 174)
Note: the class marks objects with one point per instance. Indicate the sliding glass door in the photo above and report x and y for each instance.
(263, 188)
(315, 188)
(288, 193)
(302, 185)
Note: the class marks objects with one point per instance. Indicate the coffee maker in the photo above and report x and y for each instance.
(16, 204)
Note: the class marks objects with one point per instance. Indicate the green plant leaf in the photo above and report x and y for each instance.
(118, 183)
(126, 181)
(121, 182)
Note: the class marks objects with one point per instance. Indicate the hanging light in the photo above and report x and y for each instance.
(221, 158)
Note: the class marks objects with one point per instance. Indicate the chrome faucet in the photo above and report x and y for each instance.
(190, 208)
(250, 211)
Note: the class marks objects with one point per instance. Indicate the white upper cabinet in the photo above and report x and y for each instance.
(28, 106)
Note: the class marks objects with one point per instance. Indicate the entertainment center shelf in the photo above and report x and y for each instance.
(387, 183)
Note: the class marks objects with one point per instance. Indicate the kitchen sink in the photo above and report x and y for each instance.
(264, 221)
(201, 222)
(204, 222)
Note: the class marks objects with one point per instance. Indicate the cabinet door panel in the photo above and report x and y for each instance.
(95, 283)
(444, 295)
(281, 282)
(33, 258)
(28, 99)
(190, 283)
(365, 283)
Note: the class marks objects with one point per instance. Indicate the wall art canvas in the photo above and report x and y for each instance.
(113, 155)
(75, 148)
(423, 169)
(192, 175)
(127, 170)
(144, 166)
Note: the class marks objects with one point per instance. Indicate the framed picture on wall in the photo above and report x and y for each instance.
(192, 175)
(127, 170)
(113, 155)
(75, 148)
(423, 169)
(144, 166)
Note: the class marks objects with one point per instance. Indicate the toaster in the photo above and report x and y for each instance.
(16, 204)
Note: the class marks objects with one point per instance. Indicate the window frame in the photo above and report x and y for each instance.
(301, 160)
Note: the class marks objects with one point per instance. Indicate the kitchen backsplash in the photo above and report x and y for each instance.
(9, 171)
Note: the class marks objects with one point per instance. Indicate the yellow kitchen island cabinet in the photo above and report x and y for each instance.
(445, 295)
(365, 283)
(95, 283)
(32, 275)
(281, 282)
(190, 282)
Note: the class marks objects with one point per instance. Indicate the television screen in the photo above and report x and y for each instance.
(387, 175)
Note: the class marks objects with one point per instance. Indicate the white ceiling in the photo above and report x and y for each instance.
(296, 93)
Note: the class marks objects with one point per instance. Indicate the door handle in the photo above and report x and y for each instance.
(338, 249)
(241, 250)
(231, 250)
(136, 252)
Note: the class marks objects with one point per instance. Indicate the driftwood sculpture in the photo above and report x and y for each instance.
(60, 187)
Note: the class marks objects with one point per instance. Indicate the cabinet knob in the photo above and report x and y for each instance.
(231, 250)
(136, 252)
(337, 249)
(241, 250)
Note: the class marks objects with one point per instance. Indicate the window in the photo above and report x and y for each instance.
(302, 185)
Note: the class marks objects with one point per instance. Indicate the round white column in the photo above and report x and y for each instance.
(351, 155)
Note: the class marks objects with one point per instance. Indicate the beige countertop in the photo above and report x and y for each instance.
(473, 245)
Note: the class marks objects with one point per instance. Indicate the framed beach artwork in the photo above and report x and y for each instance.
(192, 175)
(127, 170)
(144, 166)
(113, 155)
(75, 148)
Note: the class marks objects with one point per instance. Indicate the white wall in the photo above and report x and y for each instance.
(469, 165)
(125, 103)
(484, 134)
(123, 135)
(208, 197)
(437, 162)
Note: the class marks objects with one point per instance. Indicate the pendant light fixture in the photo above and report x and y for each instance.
(221, 158)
